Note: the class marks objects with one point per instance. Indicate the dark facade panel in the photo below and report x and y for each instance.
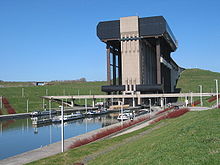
(108, 30)
(148, 27)
(152, 26)
(142, 88)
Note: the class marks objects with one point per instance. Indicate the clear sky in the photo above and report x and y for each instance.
(56, 39)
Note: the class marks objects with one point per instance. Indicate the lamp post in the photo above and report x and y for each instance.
(121, 112)
(27, 105)
(191, 100)
(86, 105)
(62, 128)
(22, 92)
(201, 103)
(150, 105)
(1, 107)
(216, 82)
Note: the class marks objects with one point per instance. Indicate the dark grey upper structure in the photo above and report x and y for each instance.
(148, 27)
(138, 55)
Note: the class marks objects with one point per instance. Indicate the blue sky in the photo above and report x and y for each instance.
(56, 39)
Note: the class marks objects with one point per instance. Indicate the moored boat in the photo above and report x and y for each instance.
(125, 116)
(98, 112)
(37, 121)
(72, 116)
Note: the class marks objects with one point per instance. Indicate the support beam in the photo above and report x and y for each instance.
(114, 69)
(72, 103)
(158, 61)
(108, 64)
(119, 70)
(133, 102)
(93, 103)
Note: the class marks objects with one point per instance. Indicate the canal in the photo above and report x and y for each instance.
(18, 136)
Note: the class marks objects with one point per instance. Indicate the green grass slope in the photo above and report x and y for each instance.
(188, 82)
(193, 138)
(33, 93)
(190, 79)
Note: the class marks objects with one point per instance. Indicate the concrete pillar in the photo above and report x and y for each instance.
(186, 101)
(72, 103)
(165, 102)
(161, 102)
(119, 69)
(139, 98)
(123, 101)
(130, 49)
(158, 61)
(133, 102)
(108, 65)
(93, 103)
(114, 69)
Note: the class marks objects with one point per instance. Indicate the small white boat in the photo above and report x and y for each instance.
(72, 116)
(90, 113)
(43, 113)
(37, 121)
(98, 112)
(123, 117)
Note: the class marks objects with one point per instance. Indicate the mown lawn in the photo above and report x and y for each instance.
(190, 79)
(188, 82)
(33, 94)
(193, 138)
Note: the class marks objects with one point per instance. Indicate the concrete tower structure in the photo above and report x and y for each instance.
(139, 55)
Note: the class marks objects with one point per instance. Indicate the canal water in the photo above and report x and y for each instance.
(18, 136)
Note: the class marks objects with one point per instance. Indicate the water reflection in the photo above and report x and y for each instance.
(18, 136)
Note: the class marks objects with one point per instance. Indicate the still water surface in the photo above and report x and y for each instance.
(18, 136)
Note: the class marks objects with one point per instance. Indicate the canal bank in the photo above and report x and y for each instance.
(55, 148)
(25, 115)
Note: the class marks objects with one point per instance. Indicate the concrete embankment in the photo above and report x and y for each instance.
(55, 148)
(14, 116)
(25, 115)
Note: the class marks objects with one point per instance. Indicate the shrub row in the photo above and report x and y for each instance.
(107, 132)
(7, 105)
(173, 114)
(213, 98)
(167, 109)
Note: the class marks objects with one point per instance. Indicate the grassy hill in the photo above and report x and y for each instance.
(33, 93)
(193, 139)
(190, 79)
(188, 82)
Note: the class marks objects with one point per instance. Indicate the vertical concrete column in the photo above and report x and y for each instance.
(93, 103)
(130, 49)
(158, 61)
(114, 69)
(72, 103)
(165, 102)
(108, 64)
(133, 101)
(186, 101)
(139, 98)
(119, 69)
(161, 102)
